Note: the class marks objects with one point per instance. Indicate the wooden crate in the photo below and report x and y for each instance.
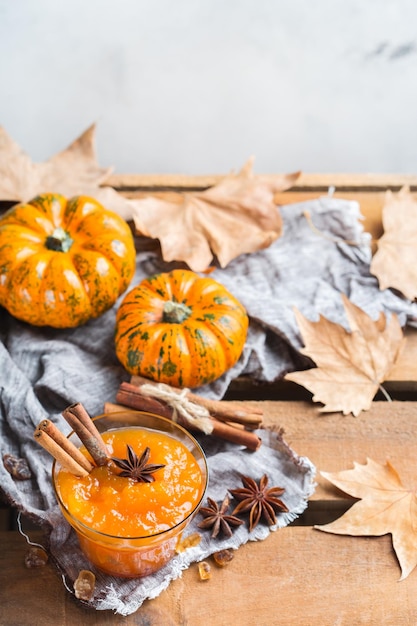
(299, 576)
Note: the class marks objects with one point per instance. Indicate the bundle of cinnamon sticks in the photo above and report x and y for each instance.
(48, 435)
(228, 420)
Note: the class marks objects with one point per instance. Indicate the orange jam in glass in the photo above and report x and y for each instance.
(130, 528)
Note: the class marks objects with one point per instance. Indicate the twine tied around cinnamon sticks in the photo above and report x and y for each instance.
(195, 415)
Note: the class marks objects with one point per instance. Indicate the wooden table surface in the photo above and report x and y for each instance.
(298, 576)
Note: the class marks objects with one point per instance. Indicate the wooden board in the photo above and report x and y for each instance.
(298, 576)
(306, 181)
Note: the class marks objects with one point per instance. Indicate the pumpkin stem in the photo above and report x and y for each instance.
(60, 241)
(175, 312)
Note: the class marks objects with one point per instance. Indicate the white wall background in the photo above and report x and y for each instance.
(197, 86)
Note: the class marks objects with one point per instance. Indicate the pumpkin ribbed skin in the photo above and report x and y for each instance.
(187, 352)
(63, 262)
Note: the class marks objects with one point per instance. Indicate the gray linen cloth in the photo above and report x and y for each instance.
(43, 370)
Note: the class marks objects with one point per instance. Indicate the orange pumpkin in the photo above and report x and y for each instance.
(180, 329)
(63, 262)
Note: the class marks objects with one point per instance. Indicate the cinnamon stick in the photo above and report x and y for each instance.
(82, 424)
(239, 436)
(129, 395)
(66, 444)
(228, 412)
(220, 409)
(62, 456)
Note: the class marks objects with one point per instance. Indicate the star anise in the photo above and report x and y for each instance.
(259, 500)
(217, 519)
(137, 467)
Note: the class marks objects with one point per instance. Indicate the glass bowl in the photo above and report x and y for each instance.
(133, 556)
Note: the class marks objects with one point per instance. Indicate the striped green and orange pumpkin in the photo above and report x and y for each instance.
(63, 262)
(181, 329)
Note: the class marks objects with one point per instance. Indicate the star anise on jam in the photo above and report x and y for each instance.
(217, 519)
(137, 467)
(259, 500)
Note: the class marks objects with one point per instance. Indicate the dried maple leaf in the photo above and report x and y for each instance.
(236, 216)
(350, 365)
(395, 262)
(74, 171)
(385, 507)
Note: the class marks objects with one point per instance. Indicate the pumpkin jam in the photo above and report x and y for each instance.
(130, 528)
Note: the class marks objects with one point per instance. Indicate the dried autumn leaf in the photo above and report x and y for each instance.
(350, 365)
(74, 171)
(236, 216)
(385, 507)
(395, 262)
